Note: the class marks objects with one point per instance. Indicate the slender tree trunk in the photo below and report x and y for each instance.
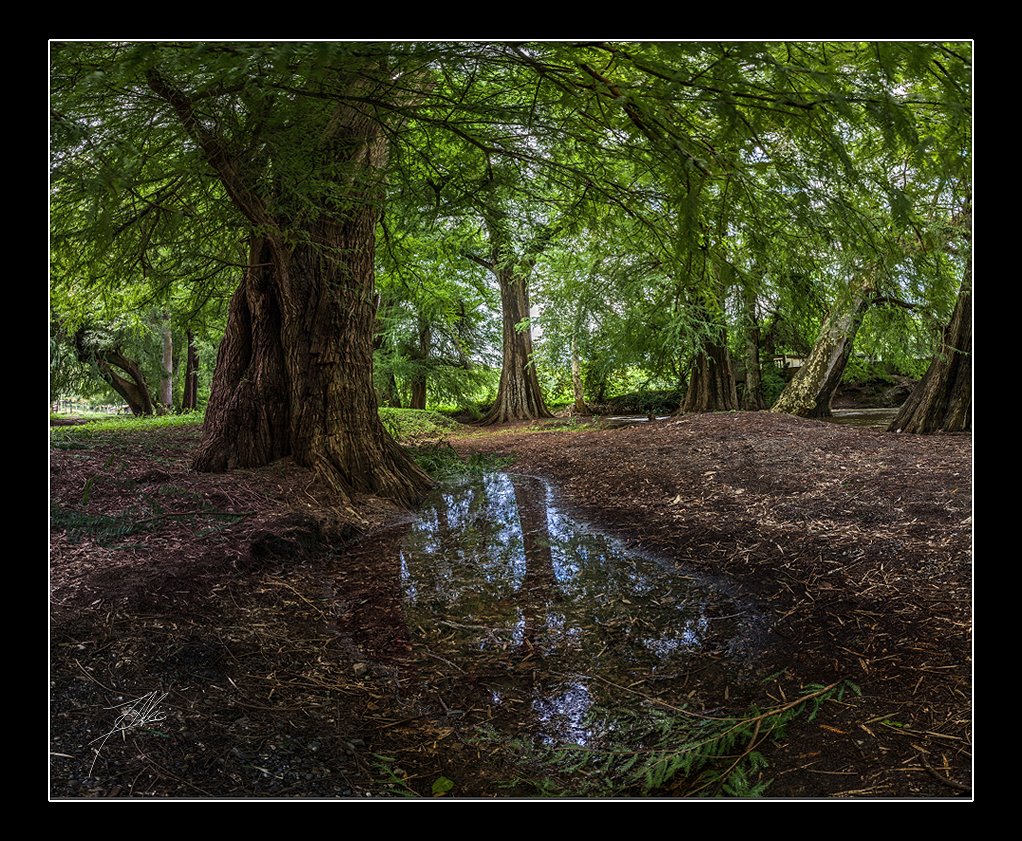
(752, 398)
(419, 378)
(190, 399)
(519, 396)
(391, 396)
(711, 385)
(579, 407)
(167, 370)
(942, 401)
(418, 392)
(811, 391)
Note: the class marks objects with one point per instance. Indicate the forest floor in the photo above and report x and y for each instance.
(205, 644)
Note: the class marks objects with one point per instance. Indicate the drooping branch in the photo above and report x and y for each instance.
(247, 201)
(132, 387)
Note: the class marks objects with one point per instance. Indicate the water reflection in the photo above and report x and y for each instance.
(546, 614)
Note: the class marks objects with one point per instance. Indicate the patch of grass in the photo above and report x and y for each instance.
(105, 427)
(87, 414)
(565, 424)
(416, 426)
(130, 423)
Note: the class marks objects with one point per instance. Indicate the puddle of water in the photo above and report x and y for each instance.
(546, 620)
(863, 417)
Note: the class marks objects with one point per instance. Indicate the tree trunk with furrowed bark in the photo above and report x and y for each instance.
(711, 385)
(519, 396)
(294, 370)
(942, 401)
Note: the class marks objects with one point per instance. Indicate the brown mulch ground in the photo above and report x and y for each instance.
(289, 670)
(858, 545)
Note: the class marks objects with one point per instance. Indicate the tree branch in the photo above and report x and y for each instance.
(241, 194)
(880, 300)
(475, 258)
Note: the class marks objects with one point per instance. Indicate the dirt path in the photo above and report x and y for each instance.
(292, 671)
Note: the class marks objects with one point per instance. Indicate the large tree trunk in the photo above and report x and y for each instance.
(167, 370)
(190, 399)
(942, 401)
(294, 371)
(579, 407)
(711, 386)
(811, 391)
(519, 396)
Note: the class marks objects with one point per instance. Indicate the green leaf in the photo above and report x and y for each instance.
(442, 785)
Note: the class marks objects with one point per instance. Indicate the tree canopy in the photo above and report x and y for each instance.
(651, 198)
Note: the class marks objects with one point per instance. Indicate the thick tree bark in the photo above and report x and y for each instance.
(167, 369)
(190, 399)
(711, 385)
(811, 391)
(294, 373)
(294, 370)
(579, 407)
(942, 401)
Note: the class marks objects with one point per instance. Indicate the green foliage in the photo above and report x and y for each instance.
(688, 753)
(772, 381)
(642, 188)
(442, 785)
(416, 426)
(658, 401)
(390, 776)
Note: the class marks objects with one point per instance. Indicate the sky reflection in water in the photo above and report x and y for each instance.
(546, 613)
